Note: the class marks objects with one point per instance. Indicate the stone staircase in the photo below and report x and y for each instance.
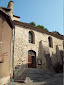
(33, 75)
(21, 77)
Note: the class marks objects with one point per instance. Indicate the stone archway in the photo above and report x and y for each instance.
(31, 59)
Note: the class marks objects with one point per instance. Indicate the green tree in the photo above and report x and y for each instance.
(32, 23)
(46, 29)
(40, 26)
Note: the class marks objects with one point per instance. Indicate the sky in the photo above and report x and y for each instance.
(48, 13)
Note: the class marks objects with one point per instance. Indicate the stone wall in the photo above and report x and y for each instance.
(22, 46)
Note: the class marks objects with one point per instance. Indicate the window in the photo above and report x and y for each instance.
(39, 61)
(50, 42)
(31, 37)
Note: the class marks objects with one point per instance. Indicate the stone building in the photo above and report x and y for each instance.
(6, 31)
(34, 47)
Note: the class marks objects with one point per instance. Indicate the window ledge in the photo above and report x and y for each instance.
(31, 43)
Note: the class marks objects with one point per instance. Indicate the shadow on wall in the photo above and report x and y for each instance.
(43, 53)
(22, 73)
(57, 60)
(49, 62)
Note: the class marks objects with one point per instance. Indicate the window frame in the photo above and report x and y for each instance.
(50, 42)
(31, 37)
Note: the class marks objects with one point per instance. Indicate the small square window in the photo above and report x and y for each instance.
(39, 61)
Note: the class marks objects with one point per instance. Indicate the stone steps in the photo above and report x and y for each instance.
(21, 77)
(33, 75)
(36, 75)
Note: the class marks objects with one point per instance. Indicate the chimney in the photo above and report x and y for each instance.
(10, 6)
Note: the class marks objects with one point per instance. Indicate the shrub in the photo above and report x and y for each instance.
(32, 23)
(58, 68)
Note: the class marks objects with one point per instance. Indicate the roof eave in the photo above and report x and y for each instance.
(38, 29)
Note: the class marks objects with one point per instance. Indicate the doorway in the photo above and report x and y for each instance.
(31, 59)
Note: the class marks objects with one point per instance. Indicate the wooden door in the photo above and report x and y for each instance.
(31, 60)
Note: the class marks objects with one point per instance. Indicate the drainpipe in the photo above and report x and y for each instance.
(13, 55)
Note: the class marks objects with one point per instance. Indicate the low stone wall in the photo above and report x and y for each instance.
(19, 70)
